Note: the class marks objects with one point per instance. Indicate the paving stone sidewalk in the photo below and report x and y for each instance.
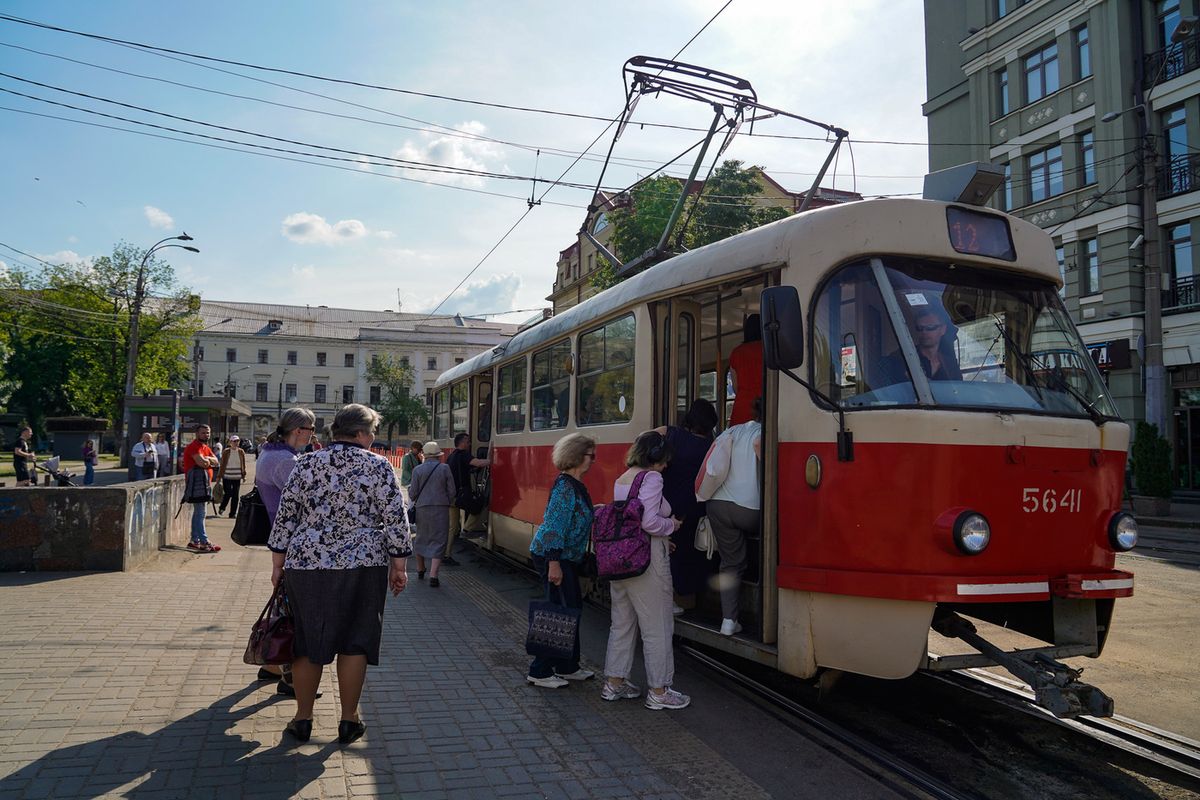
(132, 685)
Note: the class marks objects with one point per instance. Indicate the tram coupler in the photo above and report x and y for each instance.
(1056, 687)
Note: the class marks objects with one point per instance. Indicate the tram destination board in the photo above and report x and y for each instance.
(978, 234)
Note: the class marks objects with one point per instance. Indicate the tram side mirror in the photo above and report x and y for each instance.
(782, 327)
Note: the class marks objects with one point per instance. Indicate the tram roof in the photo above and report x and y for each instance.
(758, 250)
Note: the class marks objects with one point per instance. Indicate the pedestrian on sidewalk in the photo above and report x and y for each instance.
(233, 470)
(411, 460)
(162, 448)
(431, 493)
(340, 540)
(461, 466)
(273, 465)
(89, 463)
(559, 546)
(198, 455)
(146, 457)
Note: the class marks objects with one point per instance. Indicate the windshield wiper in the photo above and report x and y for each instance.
(1063, 384)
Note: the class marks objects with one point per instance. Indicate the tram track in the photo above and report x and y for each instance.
(900, 775)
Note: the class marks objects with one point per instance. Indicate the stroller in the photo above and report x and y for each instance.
(61, 476)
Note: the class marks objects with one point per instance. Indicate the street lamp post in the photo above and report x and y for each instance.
(280, 414)
(134, 320)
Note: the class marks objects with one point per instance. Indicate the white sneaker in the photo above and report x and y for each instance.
(622, 691)
(552, 682)
(677, 610)
(730, 626)
(670, 700)
(580, 674)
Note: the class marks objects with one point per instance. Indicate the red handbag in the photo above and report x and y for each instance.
(272, 635)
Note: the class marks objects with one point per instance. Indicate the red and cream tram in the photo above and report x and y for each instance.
(895, 502)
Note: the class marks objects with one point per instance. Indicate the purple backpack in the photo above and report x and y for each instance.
(622, 547)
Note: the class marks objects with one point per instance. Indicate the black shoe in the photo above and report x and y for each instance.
(267, 675)
(349, 731)
(434, 583)
(449, 561)
(287, 689)
(420, 574)
(300, 728)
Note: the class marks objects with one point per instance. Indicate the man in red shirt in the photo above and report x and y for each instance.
(746, 361)
(198, 455)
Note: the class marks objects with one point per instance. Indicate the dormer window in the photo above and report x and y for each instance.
(275, 324)
(601, 223)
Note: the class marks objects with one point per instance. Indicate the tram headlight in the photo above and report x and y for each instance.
(972, 533)
(1122, 531)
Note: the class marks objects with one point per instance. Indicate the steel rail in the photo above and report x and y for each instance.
(924, 784)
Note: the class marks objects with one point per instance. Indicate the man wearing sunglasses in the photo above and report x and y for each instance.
(936, 353)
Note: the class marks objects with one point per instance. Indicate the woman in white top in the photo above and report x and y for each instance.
(735, 510)
(162, 448)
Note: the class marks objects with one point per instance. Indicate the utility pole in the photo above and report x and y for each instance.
(139, 297)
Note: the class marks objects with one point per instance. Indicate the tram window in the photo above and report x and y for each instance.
(510, 398)
(684, 344)
(483, 414)
(441, 414)
(856, 357)
(605, 383)
(551, 387)
(460, 417)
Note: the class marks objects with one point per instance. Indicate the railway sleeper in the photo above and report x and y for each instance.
(1056, 687)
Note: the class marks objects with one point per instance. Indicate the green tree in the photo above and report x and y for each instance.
(67, 331)
(638, 226)
(727, 205)
(398, 406)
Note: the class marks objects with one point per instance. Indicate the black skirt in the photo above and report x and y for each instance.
(337, 612)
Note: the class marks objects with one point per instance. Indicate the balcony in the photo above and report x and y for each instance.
(1178, 175)
(1172, 61)
(1183, 292)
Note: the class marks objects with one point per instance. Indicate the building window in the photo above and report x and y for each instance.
(347, 394)
(375, 396)
(231, 354)
(289, 393)
(551, 386)
(199, 352)
(1087, 157)
(1168, 20)
(318, 393)
(510, 398)
(1177, 175)
(605, 386)
(291, 357)
(1002, 103)
(1083, 54)
(429, 397)
(1041, 73)
(320, 359)
(1089, 273)
(1060, 256)
(1179, 256)
(349, 360)
(404, 361)
(431, 363)
(458, 361)
(1006, 194)
(260, 393)
(1045, 173)
(263, 356)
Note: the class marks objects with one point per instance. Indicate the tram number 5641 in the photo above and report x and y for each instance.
(1049, 501)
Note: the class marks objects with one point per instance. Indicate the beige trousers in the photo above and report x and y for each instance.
(644, 603)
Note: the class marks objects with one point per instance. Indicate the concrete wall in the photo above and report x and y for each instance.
(110, 528)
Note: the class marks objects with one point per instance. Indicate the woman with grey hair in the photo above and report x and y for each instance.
(432, 493)
(339, 541)
(272, 467)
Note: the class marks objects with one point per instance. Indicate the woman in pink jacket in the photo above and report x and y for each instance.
(645, 602)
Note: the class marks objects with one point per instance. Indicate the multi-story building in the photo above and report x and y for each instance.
(272, 357)
(1088, 106)
(577, 263)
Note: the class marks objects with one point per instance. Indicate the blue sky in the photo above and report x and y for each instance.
(278, 231)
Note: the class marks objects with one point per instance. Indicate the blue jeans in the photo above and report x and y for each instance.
(198, 534)
(89, 474)
(567, 593)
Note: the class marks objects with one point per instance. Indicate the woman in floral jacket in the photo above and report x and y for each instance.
(339, 541)
(558, 548)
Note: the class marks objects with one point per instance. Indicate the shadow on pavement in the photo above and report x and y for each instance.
(196, 753)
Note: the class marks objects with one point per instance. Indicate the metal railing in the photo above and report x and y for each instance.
(1172, 61)
(1179, 174)
(1183, 292)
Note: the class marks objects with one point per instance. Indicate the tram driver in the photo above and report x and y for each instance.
(934, 349)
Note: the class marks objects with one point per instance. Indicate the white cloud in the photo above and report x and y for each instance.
(385, 234)
(305, 228)
(158, 218)
(62, 257)
(487, 296)
(456, 152)
(308, 273)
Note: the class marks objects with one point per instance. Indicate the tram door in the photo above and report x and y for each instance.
(677, 359)
(481, 440)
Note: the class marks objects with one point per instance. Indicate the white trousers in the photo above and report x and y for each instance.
(644, 603)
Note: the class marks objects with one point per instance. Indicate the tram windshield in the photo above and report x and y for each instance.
(903, 331)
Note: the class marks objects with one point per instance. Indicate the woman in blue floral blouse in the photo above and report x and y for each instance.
(340, 539)
(558, 548)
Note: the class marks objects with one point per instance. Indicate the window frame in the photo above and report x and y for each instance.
(1082, 41)
(230, 355)
(1038, 63)
(291, 393)
(347, 393)
(1087, 259)
(264, 356)
(553, 379)
(517, 367)
(320, 393)
(320, 359)
(1087, 158)
(1045, 182)
(347, 360)
(581, 376)
(1003, 86)
(260, 392)
(292, 357)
